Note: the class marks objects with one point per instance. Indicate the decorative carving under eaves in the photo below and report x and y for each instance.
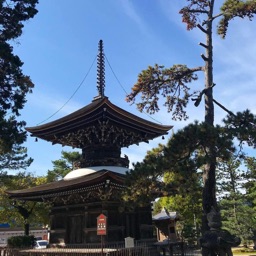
(104, 133)
(108, 192)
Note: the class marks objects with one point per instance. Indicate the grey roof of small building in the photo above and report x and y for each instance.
(165, 215)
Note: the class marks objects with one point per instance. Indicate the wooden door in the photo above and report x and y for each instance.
(75, 229)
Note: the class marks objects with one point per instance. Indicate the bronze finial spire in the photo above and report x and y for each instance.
(101, 70)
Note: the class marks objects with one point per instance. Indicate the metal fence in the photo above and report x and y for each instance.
(117, 250)
(98, 250)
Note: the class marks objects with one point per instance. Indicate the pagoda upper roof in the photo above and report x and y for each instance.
(67, 187)
(100, 122)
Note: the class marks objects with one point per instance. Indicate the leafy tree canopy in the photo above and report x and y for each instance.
(14, 85)
(144, 183)
(18, 213)
(235, 178)
(63, 166)
(172, 84)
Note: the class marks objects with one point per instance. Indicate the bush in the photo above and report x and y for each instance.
(21, 241)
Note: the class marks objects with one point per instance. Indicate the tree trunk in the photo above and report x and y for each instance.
(26, 229)
(209, 179)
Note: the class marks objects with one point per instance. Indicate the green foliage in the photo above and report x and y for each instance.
(236, 208)
(197, 146)
(19, 213)
(191, 143)
(242, 126)
(189, 207)
(192, 12)
(179, 161)
(235, 8)
(190, 233)
(172, 83)
(174, 173)
(238, 217)
(230, 9)
(178, 184)
(144, 183)
(15, 159)
(14, 85)
(230, 176)
(250, 185)
(13, 15)
(21, 241)
(63, 166)
(162, 81)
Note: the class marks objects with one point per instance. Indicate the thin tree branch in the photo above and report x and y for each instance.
(225, 109)
(201, 28)
(216, 16)
(196, 11)
(204, 58)
(199, 97)
(204, 45)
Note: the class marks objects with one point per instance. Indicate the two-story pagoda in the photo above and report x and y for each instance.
(100, 130)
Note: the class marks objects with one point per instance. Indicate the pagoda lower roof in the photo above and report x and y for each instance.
(70, 186)
(99, 122)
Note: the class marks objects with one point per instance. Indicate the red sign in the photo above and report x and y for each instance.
(102, 225)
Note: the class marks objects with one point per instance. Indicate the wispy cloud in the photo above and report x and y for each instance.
(235, 59)
(155, 33)
(49, 107)
(171, 11)
(131, 12)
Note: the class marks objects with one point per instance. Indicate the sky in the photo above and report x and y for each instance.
(59, 46)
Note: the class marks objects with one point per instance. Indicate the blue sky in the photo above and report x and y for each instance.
(60, 43)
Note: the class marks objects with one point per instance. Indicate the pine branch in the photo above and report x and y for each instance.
(201, 28)
(204, 45)
(196, 11)
(204, 58)
(225, 109)
(199, 97)
(216, 16)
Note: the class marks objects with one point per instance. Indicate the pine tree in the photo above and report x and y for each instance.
(14, 85)
(22, 213)
(63, 166)
(172, 83)
(235, 210)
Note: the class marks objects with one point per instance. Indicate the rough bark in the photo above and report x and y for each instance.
(209, 193)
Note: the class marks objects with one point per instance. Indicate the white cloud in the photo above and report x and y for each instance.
(48, 107)
(235, 59)
(234, 66)
(130, 11)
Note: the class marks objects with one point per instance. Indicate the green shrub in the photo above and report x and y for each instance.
(21, 241)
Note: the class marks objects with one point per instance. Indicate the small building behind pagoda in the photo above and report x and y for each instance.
(100, 129)
(165, 225)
